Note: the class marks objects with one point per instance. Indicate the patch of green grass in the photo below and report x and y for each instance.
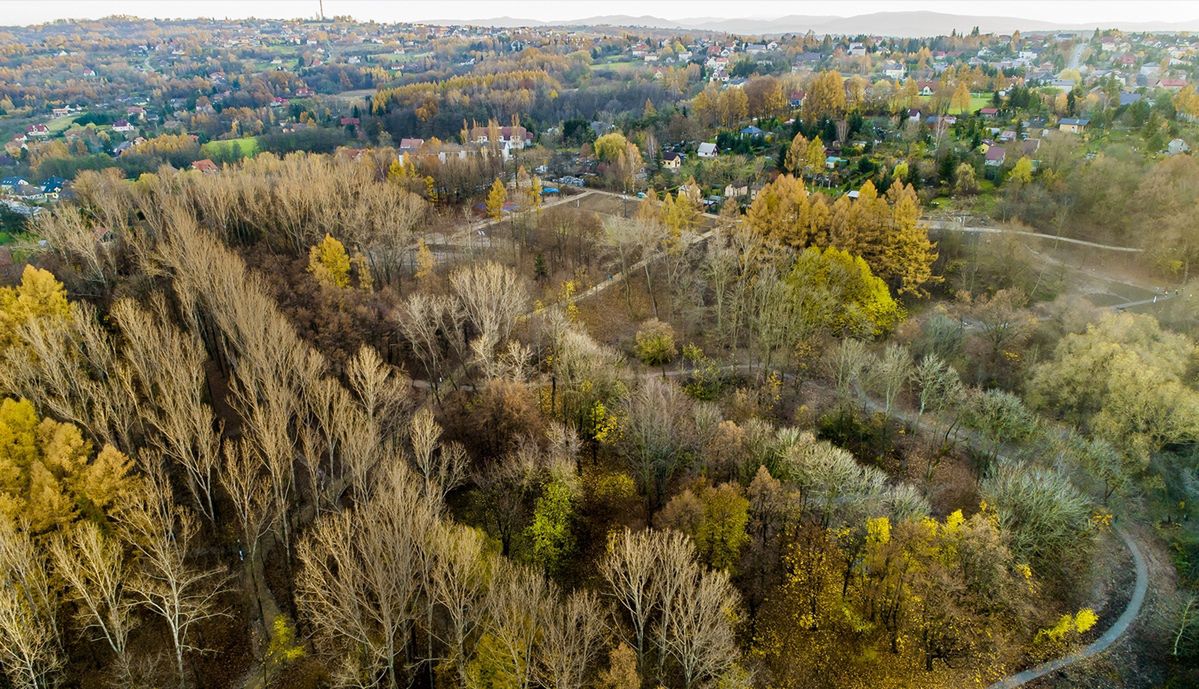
(60, 124)
(620, 67)
(248, 144)
(977, 102)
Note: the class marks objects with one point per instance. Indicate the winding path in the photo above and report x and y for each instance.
(1140, 588)
(953, 226)
(1109, 637)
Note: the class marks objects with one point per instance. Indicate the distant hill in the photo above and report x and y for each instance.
(905, 24)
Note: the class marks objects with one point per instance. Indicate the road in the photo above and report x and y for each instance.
(1076, 54)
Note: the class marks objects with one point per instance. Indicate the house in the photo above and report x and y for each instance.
(37, 130)
(60, 112)
(995, 156)
(672, 161)
(895, 70)
(411, 144)
(707, 150)
(856, 50)
(1177, 147)
(206, 166)
(797, 99)
(752, 131)
(989, 113)
(278, 102)
(1029, 147)
(1007, 135)
(123, 126)
(29, 192)
(51, 186)
(509, 137)
(350, 121)
(1171, 84)
(11, 183)
(1129, 98)
(1073, 125)
(733, 191)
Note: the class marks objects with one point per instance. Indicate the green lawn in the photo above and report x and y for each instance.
(977, 101)
(249, 146)
(60, 124)
(619, 67)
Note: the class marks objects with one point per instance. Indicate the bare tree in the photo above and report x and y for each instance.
(700, 635)
(845, 364)
(94, 568)
(505, 487)
(359, 578)
(891, 372)
(629, 569)
(460, 580)
(162, 535)
(493, 297)
(424, 319)
(518, 603)
(656, 435)
(169, 366)
(674, 571)
(442, 466)
(380, 390)
(250, 494)
(571, 637)
(30, 649)
(268, 427)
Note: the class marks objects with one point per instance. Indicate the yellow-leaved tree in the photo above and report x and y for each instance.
(38, 295)
(48, 475)
(496, 198)
(329, 263)
(1022, 172)
(794, 161)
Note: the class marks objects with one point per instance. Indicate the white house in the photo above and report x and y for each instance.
(706, 150)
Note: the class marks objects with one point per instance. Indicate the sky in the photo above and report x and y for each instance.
(1109, 12)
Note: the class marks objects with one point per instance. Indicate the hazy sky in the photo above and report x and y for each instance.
(1088, 12)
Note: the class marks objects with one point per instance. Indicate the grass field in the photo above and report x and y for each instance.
(249, 146)
(977, 100)
(619, 67)
(60, 124)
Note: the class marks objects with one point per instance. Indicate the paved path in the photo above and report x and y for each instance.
(952, 226)
(1109, 637)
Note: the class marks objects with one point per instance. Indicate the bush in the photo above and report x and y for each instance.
(655, 343)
